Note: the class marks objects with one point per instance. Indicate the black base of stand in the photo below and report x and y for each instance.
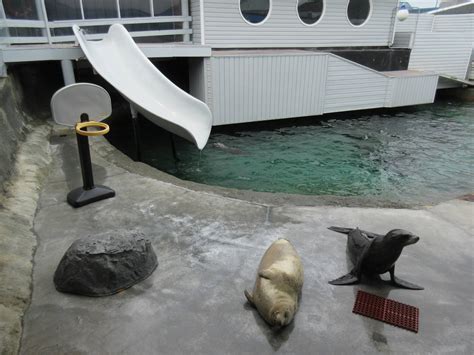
(80, 197)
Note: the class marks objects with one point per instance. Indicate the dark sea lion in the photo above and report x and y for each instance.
(278, 285)
(375, 254)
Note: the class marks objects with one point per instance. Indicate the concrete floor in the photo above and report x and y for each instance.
(208, 248)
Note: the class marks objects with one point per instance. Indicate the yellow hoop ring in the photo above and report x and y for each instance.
(105, 128)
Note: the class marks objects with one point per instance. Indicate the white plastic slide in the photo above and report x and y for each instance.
(118, 60)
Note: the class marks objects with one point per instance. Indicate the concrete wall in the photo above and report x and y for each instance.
(224, 26)
(13, 123)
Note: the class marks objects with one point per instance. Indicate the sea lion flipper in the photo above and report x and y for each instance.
(401, 283)
(348, 279)
(405, 284)
(359, 255)
(249, 297)
(292, 280)
(340, 229)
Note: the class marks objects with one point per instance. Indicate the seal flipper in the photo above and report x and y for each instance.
(340, 229)
(267, 274)
(348, 279)
(249, 297)
(401, 283)
(356, 274)
(271, 274)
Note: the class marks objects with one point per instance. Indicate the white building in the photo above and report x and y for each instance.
(253, 60)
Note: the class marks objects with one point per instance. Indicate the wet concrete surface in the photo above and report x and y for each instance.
(209, 247)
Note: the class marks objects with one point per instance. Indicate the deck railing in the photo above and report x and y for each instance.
(44, 31)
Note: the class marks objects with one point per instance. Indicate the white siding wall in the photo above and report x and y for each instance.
(352, 87)
(403, 91)
(453, 23)
(257, 88)
(425, 22)
(402, 40)
(195, 10)
(225, 27)
(447, 53)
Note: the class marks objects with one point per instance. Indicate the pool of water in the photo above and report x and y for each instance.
(415, 155)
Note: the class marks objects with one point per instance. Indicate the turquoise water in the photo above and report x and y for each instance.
(414, 155)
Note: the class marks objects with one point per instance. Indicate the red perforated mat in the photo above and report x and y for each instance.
(386, 310)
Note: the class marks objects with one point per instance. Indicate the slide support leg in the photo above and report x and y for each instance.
(173, 148)
(136, 133)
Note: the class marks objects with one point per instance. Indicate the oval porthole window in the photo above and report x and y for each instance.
(358, 11)
(254, 11)
(310, 11)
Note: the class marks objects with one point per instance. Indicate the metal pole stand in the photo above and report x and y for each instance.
(89, 192)
(136, 133)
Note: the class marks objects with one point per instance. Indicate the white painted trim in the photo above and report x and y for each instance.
(19, 54)
(366, 20)
(317, 21)
(434, 12)
(270, 6)
(111, 21)
(203, 20)
(22, 23)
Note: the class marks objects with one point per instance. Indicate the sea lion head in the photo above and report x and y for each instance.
(281, 314)
(401, 237)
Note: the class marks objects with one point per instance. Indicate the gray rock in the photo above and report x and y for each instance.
(105, 264)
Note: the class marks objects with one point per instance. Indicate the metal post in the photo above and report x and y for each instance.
(394, 17)
(82, 9)
(3, 67)
(119, 15)
(416, 29)
(136, 133)
(68, 72)
(4, 17)
(6, 33)
(86, 164)
(44, 16)
(202, 22)
(173, 148)
(185, 12)
(89, 192)
(2, 11)
(152, 9)
(85, 158)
